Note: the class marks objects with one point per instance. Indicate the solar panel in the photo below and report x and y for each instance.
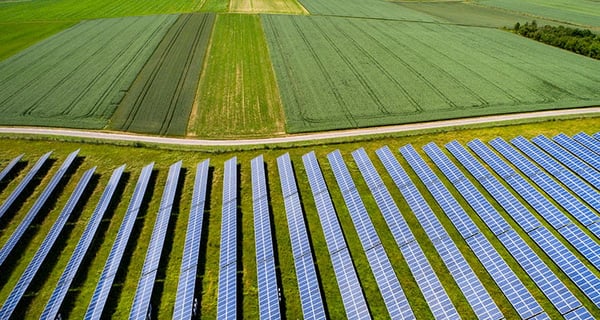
(588, 173)
(227, 292)
(308, 285)
(581, 241)
(389, 286)
(588, 142)
(23, 184)
(56, 299)
(578, 150)
(113, 261)
(347, 279)
(184, 300)
(565, 176)
(143, 293)
(480, 300)
(10, 166)
(268, 290)
(34, 265)
(37, 206)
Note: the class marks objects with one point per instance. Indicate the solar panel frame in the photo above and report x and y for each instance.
(36, 262)
(588, 141)
(15, 237)
(10, 166)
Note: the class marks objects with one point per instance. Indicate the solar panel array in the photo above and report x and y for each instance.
(227, 292)
(52, 308)
(587, 141)
(389, 286)
(184, 300)
(578, 150)
(23, 184)
(308, 284)
(10, 166)
(268, 289)
(572, 233)
(98, 301)
(36, 262)
(37, 206)
(347, 279)
(143, 293)
(557, 293)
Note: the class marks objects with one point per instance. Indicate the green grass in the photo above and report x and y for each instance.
(160, 99)
(18, 36)
(76, 78)
(237, 94)
(108, 157)
(363, 9)
(336, 73)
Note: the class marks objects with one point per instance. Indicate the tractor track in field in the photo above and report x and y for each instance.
(112, 136)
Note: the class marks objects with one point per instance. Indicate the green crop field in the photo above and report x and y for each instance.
(338, 73)
(237, 94)
(582, 12)
(266, 6)
(77, 77)
(160, 99)
(15, 37)
(363, 9)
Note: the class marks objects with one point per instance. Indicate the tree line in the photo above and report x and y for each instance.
(581, 41)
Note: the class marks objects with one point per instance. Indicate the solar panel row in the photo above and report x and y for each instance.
(558, 293)
(268, 290)
(184, 300)
(308, 284)
(389, 286)
(519, 296)
(105, 282)
(23, 184)
(52, 308)
(143, 293)
(227, 292)
(578, 150)
(347, 279)
(37, 206)
(588, 142)
(36, 262)
(10, 166)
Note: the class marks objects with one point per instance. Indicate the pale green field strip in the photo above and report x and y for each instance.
(108, 157)
(338, 73)
(77, 77)
(266, 6)
(238, 94)
(582, 12)
(375, 9)
(15, 37)
(160, 99)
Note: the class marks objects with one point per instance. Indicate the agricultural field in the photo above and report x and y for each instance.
(338, 73)
(108, 157)
(582, 12)
(363, 9)
(77, 78)
(18, 36)
(266, 6)
(238, 94)
(160, 99)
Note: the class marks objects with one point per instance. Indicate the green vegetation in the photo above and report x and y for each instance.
(582, 42)
(77, 78)
(160, 99)
(108, 157)
(238, 94)
(363, 9)
(266, 6)
(18, 36)
(338, 73)
(582, 12)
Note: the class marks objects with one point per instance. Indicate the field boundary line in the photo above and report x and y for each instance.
(298, 137)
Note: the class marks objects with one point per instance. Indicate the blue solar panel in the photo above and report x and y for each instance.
(577, 149)
(581, 241)
(268, 290)
(184, 300)
(56, 299)
(580, 313)
(10, 166)
(23, 184)
(34, 265)
(509, 283)
(37, 206)
(565, 176)
(389, 286)
(347, 279)
(588, 173)
(227, 292)
(588, 142)
(143, 293)
(308, 285)
(113, 261)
